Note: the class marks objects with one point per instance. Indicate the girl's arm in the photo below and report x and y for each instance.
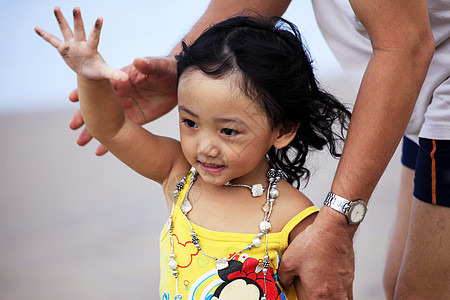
(152, 79)
(149, 155)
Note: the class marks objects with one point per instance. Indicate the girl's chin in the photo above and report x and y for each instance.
(212, 175)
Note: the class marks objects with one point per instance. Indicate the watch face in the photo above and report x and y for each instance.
(357, 213)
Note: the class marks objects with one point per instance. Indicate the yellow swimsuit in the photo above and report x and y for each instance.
(198, 275)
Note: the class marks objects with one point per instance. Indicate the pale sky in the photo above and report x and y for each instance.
(33, 76)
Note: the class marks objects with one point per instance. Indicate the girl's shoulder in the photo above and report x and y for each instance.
(288, 205)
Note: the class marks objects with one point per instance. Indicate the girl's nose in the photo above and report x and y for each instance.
(208, 148)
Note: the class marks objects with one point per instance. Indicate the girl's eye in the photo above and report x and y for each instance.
(190, 123)
(228, 131)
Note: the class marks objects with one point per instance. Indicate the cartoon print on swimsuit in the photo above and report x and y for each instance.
(244, 276)
(247, 280)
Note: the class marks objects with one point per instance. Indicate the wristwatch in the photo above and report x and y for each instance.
(353, 210)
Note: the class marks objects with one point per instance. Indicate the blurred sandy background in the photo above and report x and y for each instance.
(75, 226)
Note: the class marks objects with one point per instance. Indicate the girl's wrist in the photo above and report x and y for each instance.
(90, 80)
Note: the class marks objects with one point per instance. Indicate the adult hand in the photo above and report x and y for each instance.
(322, 256)
(149, 93)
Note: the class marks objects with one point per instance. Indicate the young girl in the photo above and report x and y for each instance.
(249, 110)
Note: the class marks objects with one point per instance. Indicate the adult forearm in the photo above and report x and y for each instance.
(219, 10)
(383, 108)
(384, 105)
(403, 46)
(101, 108)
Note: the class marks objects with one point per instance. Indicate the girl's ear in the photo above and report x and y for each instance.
(286, 133)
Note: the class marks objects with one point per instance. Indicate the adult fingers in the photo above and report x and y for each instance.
(73, 96)
(77, 121)
(78, 25)
(50, 38)
(63, 25)
(101, 150)
(350, 293)
(286, 274)
(84, 138)
(157, 66)
(94, 36)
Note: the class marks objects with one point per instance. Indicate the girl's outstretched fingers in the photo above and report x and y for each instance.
(50, 38)
(63, 25)
(78, 25)
(94, 36)
(81, 55)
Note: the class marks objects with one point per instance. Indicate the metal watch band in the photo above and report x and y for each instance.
(338, 203)
(353, 210)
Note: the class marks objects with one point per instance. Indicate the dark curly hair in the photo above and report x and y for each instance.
(276, 71)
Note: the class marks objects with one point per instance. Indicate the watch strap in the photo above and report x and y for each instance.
(338, 203)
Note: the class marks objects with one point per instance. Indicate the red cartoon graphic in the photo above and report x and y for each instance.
(246, 281)
(185, 261)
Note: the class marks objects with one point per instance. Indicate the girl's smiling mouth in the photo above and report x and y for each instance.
(211, 168)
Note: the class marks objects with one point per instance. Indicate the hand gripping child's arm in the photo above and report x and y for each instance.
(147, 154)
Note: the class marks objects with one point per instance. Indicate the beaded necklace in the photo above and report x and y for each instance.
(273, 177)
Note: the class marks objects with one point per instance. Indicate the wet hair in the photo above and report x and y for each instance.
(274, 69)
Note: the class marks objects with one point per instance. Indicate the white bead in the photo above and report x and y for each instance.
(186, 206)
(173, 264)
(257, 190)
(256, 242)
(221, 263)
(274, 193)
(265, 226)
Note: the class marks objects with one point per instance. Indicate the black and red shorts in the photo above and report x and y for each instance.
(431, 162)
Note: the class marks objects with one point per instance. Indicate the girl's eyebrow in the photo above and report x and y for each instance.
(183, 108)
(218, 119)
(230, 120)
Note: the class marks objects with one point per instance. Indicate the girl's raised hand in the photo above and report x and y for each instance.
(81, 55)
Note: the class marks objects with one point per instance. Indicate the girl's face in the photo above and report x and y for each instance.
(223, 133)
